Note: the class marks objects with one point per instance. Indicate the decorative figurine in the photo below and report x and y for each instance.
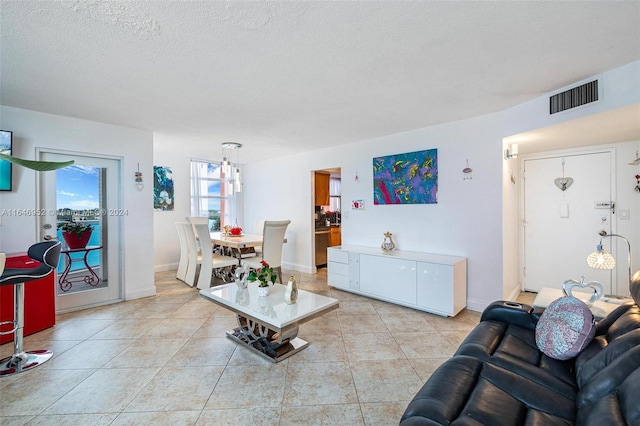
(594, 286)
(242, 274)
(291, 293)
(387, 243)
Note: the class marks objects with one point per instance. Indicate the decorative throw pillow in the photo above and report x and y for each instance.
(565, 328)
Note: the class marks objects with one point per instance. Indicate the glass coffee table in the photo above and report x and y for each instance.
(267, 325)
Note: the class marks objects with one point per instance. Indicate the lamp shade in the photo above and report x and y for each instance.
(600, 259)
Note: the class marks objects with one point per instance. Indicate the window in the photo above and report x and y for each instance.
(335, 189)
(209, 194)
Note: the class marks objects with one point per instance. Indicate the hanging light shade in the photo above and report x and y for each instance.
(238, 180)
(601, 259)
(230, 170)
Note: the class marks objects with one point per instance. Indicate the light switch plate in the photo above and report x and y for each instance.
(624, 214)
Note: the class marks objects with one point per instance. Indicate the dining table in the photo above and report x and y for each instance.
(236, 241)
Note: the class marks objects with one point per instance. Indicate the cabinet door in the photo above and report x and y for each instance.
(322, 189)
(388, 278)
(39, 300)
(435, 287)
(334, 237)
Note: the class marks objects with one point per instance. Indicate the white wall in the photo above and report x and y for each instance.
(33, 130)
(467, 221)
(619, 87)
(511, 226)
(626, 198)
(167, 152)
(166, 250)
(477, 219)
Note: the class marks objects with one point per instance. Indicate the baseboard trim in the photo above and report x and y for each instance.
(478, 305)
(166, 267)
(139, 294)
(299, 268)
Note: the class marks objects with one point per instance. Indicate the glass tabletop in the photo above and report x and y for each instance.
(270, 309)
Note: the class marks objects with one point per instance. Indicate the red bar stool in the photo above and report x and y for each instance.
(48, 254)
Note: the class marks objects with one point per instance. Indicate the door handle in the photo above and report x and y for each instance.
(48, 237)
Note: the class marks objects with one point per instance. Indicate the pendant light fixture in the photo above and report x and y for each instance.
(230, 170)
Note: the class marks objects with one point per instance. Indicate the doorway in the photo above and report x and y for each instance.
(87, 192)
(562, 222)
(327, 213)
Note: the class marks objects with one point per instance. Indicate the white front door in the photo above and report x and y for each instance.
(561, 227)
(89, 192)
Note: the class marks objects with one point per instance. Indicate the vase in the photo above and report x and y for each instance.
(387, 243)
(263, 291)
(291, 293)
(76, 242)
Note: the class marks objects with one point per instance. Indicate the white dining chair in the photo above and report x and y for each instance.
(210, 261)
(194, 256)
(184, 252)
(194, 220)
(272, 241)
(258, 229)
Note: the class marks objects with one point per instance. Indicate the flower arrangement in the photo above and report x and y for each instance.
(264, 275)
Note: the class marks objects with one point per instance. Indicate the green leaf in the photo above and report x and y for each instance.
(41, 166)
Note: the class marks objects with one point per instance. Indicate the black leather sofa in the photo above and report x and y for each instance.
(498, 377)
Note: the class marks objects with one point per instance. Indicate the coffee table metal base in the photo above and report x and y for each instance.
(275, 345)
(266, 349)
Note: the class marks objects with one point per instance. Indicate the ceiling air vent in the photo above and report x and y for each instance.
(572, 98)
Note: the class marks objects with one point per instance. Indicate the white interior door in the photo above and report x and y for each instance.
(561, 227)
(87, 191)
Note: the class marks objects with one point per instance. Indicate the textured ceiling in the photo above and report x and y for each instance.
(285, 77)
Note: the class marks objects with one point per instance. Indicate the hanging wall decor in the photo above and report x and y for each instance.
(138, 179)
(409, 178)
(466, 172)
(162, 188)
(564, 182)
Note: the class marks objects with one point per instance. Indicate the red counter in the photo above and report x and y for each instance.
(39, 300)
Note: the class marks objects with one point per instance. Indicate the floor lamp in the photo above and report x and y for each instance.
(601, 259)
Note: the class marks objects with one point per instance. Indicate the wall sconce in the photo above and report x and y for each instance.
(600, 259)
(139, 183)
(511, 154)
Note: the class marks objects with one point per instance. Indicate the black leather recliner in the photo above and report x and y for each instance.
(499, 377)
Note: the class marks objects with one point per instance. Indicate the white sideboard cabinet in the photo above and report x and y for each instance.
(429, 282)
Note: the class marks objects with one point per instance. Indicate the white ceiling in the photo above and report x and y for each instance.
(285, 77)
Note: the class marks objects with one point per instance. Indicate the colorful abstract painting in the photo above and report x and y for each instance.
(162, 188)
(409, 178)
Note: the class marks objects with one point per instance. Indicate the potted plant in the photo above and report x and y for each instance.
(265, 276)
(76, 234)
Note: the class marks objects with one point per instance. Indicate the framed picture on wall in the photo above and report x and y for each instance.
(408, 178)
(162, 188)
(6, 145)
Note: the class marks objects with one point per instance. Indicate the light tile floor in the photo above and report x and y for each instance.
(164, 360)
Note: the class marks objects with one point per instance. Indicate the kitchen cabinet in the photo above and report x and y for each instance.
(335, 236)
(322, 189)
(428, 282)
(39, 300)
